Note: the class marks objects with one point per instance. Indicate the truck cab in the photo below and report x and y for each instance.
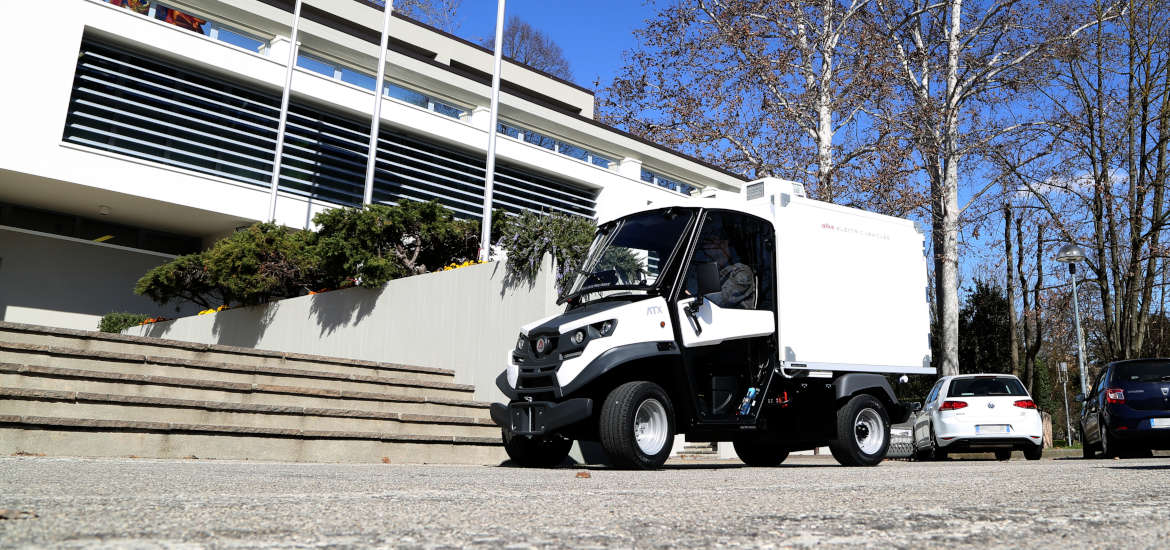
(676, 323)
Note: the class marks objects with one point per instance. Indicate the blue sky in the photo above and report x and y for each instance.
(592, 34)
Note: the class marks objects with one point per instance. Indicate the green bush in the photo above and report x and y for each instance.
(366, 246)
(375, 244)
(260, 263)
(529, 236)
(119, 321)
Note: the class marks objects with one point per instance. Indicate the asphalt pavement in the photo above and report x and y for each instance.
(808, 502)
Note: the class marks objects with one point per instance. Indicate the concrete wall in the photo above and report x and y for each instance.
(71, 283)
(465, 319)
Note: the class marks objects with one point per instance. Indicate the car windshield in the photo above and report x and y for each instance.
(1143, 372)
(986, 387)
(628, 254)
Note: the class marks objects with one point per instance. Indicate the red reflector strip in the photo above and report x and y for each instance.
(947, 438)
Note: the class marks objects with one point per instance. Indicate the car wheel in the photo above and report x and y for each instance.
(760, 450)
(1034, 453)
(863, 432)
(1108, 443)
(1003, 455)
(1086, 449)
(637, 425)
(537, 451)
(936, 452)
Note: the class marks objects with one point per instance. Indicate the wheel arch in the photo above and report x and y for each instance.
(847, 386)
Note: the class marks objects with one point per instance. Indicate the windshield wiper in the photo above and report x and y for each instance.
(603, 288)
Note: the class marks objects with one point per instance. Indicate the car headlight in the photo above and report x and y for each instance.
(604, 328)
(521, 343)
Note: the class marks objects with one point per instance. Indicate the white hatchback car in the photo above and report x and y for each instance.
(978, 413)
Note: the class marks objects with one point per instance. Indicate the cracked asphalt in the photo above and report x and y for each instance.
(808, 502)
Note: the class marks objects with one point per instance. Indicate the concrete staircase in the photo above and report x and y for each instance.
(78, 393)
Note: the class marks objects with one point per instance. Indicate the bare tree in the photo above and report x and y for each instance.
(784, 89)
(954, 64)
(530, 46)
(1110, 124)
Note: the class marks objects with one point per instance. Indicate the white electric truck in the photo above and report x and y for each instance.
(764, 318)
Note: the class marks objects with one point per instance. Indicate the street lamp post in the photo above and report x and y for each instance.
(1072, 254)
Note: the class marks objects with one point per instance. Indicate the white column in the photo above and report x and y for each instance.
(372, 155)
(630, 168)
(288, 72)
(485, 232)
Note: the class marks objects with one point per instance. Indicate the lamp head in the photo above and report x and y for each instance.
(1070, 254)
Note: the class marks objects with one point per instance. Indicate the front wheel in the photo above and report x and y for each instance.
(537, 451)
(760, 450)
(1086, 449)
(863, 432)
(637, 426)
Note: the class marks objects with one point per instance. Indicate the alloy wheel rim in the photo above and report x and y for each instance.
(868, 432)
(650, 427)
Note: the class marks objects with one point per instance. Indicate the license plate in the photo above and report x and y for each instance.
(993, 429)
(1160, 422)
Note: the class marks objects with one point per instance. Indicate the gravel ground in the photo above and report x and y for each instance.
(810, 501)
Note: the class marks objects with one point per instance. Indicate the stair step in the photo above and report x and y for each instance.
(55, 356)
(149, 386)
(95, 406)
(55, 436)
(20, 333)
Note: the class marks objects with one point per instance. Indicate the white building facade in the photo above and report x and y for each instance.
(137, 131)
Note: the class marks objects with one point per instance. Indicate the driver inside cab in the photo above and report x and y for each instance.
(737, 282)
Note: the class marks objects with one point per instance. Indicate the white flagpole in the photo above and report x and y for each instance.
(372, 156)
(288, 72)
(485, 231)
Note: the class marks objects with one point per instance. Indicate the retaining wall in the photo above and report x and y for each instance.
(465, 320)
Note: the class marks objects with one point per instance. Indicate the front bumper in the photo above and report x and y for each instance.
(540, 417)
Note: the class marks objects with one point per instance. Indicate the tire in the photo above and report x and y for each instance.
(1086, 449)
(1109, 447)
(863, 432)
(936, 452)
(1003, 455)
(1034, 453)
(761, 450)
(537, 452)
(637, 426)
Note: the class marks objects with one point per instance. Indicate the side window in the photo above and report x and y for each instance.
(741, 248)
(1101, 381)
(933, 395)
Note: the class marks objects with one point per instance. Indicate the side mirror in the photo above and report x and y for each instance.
(1080, 397)
(916, 406)
(708, 278)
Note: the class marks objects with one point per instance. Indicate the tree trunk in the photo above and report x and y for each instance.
(1014, 338)
(946, 205)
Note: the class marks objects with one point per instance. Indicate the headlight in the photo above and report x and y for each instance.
(521, 343)
(578, 337)
(604, 328)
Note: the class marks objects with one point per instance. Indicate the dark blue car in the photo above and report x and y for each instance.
(1127, 412)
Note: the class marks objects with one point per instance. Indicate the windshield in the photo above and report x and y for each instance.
(984, 387)
(627, 255)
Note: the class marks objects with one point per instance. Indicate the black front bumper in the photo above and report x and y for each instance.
(540, 417)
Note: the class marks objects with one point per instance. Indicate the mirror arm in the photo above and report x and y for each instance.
(692, 310)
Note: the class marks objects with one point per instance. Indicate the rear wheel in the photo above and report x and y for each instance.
(537, 451)
(1108, 442)
(760, 450)
(1003, 455)
(863, 432)
(1034, 453)
(637, 425)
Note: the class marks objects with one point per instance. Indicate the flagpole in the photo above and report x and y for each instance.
(486, 221)
(288, 72)
(372, 155)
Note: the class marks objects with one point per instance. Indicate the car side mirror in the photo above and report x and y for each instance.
(916, 406)
(1080, 398)
(708, 278)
